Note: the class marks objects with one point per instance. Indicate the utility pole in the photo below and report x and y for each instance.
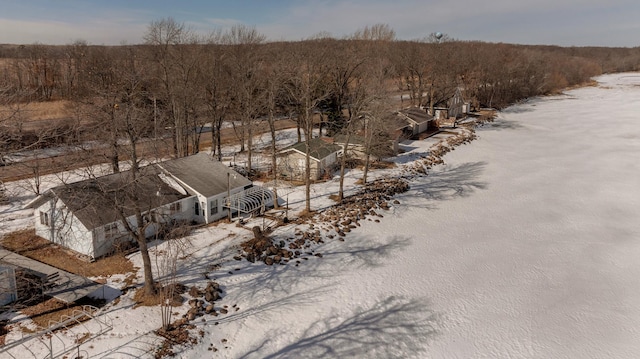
(229, 194)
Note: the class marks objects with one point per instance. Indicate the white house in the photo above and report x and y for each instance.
(291, 161)
(87, 216)
(209, 182)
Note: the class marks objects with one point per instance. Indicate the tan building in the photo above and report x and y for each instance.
(291, 161)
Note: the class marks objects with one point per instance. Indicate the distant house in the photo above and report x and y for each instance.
(291, 161)
(357, 147)
(414, 121)
(455, 108)
(87, 216)
(419, 121)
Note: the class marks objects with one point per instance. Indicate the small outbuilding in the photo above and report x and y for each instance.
(413, 121)
(291, 161)
(8, 287)
(455, 108)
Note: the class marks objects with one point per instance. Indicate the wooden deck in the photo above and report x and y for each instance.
(64, 286)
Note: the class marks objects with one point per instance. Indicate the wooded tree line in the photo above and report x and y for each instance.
(178, 82)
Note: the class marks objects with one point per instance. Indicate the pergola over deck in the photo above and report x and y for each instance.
(251, 200)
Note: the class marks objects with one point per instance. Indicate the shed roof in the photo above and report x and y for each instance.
(98, 201)
(67, 287)
(353, 139)
(318, 148)
(204, 175)
(416, 115)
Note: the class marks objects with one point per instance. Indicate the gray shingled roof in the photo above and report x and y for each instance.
(417, 115)
(353, 139)
(96, 202)
(204, 174)
(318, 149)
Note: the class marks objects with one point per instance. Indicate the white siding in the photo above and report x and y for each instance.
(218, 201)
(63, 228)
(104, 246)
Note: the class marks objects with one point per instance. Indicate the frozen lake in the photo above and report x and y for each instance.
(526, 244)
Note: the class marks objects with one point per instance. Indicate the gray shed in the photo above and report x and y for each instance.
(8, 289)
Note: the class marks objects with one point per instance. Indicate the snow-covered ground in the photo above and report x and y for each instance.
(523, 245)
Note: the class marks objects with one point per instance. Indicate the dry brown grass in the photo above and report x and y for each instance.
(51, 311)
(382, 165)
(172, 292)
(26, 243)
(304, 214)
(39, 111)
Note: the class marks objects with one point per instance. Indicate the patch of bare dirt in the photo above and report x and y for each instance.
(28, 244)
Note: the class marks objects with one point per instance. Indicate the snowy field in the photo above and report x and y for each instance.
(525, 244)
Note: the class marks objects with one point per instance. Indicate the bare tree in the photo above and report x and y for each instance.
(374, 106)
(413, 64)
(166, 263)
(174, 49)
(275, 73)
(125, 100)
(217, 89)
(377, 32)
(102, 70)
(245, 64)
(306, 89)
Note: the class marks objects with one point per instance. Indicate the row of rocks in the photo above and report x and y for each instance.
(336, 221)
(202, 302)
(438, 151)
(262, 248)
(375, 196)
(340, 219)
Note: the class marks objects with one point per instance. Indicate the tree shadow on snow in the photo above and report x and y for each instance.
(362, 253)
(393, 328)
(451, 182)
(500, 125)
(270, 306)
(260, 279)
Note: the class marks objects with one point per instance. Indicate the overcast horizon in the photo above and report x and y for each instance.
(545, 22)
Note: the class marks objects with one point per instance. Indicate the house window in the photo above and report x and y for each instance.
(111, 230)
(214, 207)
(175, 207)
(44, 218)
